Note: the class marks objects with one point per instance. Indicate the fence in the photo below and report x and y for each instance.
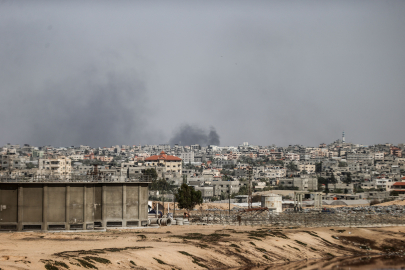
(292, 219)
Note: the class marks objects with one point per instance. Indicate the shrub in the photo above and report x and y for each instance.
(373, 202)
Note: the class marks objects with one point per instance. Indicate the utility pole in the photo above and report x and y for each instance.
(229, 188)
(163, 199)
(174, 206)
(250, 187)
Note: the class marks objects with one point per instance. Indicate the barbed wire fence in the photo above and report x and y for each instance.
(293, 219)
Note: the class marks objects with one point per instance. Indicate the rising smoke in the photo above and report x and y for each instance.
(188, 135)
(94, 107)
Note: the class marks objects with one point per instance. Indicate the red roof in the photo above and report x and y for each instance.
(399, 184)
(162, 156)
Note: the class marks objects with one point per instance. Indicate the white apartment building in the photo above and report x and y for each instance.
(359, 156)
(292, 156)
(61, 166)
(307, 167)
(187, 157)
(379, 155)
(76, 157)
(275, 173)
(383, 183)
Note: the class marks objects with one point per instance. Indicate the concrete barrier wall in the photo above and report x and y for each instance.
(8, 198)
(132, 202)
(113, 203)
(98, 203)
(32, 197)
(56, 202)
(61, 206)
(143, 200)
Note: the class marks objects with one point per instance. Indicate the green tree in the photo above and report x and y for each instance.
(333, 179)
(276, 162)
(223, 196)
(151, 173)
(394, 193)
(348, 179)
(184, 178)
(161, 185)
(243, 190)
(342, 164)
(29, 165)
(292, 167)
(318, 167)
(226, 177)
(187, 197)
(322, 181)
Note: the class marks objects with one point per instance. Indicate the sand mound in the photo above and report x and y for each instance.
(391, 203)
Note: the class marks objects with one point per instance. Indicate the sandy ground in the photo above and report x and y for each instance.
(391, 203)
(196, 247)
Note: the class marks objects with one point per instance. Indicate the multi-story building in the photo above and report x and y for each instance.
(359, 156)
(76, 157)
(104, 158)
(384, 183)
(300, 183)
(60, 166)
(309, 168)
(172, 164)
(379, 155)
(395, 151)
(292, 156)
(12, 161)
(187, 157)
(206, 192)
(226, 187)
(275, 172)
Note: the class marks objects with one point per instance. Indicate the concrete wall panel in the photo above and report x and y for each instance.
(97, 202)
(32, 203)
(89, 203)
(132, 200)
(8, 203)
(113, 203)
(56, 203)
(144, 201)
(76, 207)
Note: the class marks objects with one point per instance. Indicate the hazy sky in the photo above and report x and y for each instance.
(142, 72)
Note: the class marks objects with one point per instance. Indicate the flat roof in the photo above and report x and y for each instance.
(73, 182)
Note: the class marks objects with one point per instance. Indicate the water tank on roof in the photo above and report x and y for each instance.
(273, 202)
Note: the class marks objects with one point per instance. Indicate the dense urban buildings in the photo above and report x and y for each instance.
(359, 171)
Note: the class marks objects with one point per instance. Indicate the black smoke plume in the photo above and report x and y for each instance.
(96, 108)
(188, 135)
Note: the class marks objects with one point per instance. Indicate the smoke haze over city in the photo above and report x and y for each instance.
(268, 72)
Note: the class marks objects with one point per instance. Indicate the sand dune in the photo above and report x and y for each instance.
(193, 247)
